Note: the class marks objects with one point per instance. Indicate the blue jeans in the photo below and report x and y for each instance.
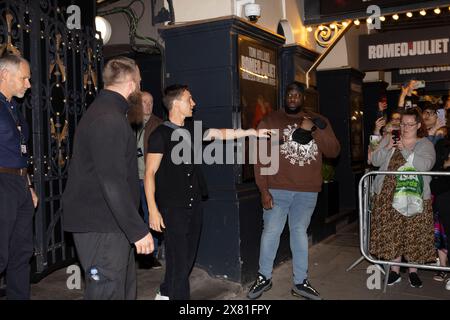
(145, 210)
(299, 207)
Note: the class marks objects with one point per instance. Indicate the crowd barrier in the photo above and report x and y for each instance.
(365, 193)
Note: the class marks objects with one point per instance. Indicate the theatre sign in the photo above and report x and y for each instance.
(404, 49)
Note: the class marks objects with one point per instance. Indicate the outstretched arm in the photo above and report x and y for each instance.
(230, 134)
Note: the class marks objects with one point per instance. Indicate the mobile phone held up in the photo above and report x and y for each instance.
(441, 114)
(395, 135)
(418, 84)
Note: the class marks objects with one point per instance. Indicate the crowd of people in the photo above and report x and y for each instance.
(125, 192)
(122, 164)
(414, 134)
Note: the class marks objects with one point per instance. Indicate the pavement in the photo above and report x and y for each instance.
(328, 262)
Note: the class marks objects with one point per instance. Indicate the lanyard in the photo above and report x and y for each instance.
(16, 119)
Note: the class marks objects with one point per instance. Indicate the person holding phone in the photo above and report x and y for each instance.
(432, 122)
(440, 187)
(393, 235)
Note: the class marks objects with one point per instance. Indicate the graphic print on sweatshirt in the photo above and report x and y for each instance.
(296, 153)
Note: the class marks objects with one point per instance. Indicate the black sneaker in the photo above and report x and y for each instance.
(414, 280)
(306, 290)
(394, 278)
(260, 285)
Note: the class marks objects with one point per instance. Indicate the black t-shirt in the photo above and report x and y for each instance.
(411, 101)
(179, 179)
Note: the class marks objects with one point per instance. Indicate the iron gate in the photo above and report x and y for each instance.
(65, 65)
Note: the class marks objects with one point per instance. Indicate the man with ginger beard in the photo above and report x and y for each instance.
(101, 199)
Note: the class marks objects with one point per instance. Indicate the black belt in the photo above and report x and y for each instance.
(20, 172)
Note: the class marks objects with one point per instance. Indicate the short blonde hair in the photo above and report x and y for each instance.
(117, 70)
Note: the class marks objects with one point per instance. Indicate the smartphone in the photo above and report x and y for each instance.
(419, 84)
(381, 114)
(441, 114)
(396, 135)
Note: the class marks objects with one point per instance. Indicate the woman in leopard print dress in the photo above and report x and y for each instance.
(393, 235)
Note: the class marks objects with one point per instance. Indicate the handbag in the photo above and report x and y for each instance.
(408, 198)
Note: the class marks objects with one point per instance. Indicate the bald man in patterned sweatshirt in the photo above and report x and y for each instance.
(292, 191)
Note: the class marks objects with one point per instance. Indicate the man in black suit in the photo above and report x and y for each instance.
(101, 199)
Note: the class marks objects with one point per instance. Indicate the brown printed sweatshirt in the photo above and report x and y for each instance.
(300, 166)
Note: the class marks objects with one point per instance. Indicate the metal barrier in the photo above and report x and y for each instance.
(365, 192)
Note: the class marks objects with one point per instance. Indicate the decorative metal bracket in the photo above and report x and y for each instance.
(327, 37)
(59, 135)
(90, 76)
(57, 65)
(8, 46)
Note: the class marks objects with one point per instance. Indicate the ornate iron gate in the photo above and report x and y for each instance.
(64, 67)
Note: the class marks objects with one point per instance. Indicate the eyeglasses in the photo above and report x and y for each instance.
(429, 113)
(408, 124)
(293, 95)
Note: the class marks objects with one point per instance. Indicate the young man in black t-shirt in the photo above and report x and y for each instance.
(175, 186)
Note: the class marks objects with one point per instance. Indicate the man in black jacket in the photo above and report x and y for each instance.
(101, 199)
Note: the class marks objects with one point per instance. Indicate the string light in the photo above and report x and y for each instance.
(395, 16)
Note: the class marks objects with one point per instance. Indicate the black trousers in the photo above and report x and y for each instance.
(16, 235)
(181, 236)
(108, 263)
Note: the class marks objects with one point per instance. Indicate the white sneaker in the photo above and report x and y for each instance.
(447, 285)
(159, 296)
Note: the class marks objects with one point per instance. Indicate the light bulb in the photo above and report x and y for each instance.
(104, 27)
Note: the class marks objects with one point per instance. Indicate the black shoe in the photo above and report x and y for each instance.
(394, 278)
(306, 290)
(155, 264)
(259, 287)
(414, 280)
